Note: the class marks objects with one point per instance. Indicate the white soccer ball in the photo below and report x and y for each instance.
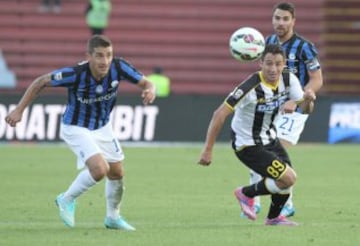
(246, 44)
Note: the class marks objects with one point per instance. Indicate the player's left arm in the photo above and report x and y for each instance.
(307, 103)
(312, 87)
(315, 80)
(148, 90)
(304, 99)
(313, 67)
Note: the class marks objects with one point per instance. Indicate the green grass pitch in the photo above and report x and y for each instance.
(173, 201)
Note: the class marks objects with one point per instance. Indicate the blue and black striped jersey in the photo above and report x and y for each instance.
(89, 101)
(301, 56)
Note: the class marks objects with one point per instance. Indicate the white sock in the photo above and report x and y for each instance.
(290, 201)
(82, 183)
(113, 192)
(255, 178)
(271, 186)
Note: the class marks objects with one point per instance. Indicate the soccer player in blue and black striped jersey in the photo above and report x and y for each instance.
(302, 60)
(92, 89)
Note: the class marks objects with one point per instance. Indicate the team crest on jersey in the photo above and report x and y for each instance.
(114, 83)
(237, 93)
(292, 56)
(58, 76)
(99, 89)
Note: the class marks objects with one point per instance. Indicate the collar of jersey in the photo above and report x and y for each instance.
(267, 84)
(294, 36)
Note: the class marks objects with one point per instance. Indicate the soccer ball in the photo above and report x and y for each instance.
(246, 44)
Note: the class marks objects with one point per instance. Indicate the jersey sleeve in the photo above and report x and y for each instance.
(63, 77)
(234, 98)
(238, 96)
(310, 56)
(296, 92)
(128, 72)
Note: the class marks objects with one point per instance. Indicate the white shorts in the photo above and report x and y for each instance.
(86, 143)
(290, 126)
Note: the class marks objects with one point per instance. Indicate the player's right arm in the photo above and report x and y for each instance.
(216, 124)
(30, 94)
(234, 99)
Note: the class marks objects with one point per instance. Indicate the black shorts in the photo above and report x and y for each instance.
(267, 160)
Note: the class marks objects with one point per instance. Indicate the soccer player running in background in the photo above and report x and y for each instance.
(302, 60)
(255, 103)
(92, 89)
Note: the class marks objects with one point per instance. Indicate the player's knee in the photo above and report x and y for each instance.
(99, 172)
(115, 175)
(98, 167)
(288, 179)
(292, 177)
(116, 171)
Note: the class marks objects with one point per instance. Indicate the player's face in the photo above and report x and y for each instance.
(100, 61)
(272, 66)
(283, 24)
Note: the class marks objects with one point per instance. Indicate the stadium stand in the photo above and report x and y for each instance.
(189, 39)
(341, 47)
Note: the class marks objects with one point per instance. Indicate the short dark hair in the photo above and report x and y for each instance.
(273, 49)
(286, 7)
(98, 41)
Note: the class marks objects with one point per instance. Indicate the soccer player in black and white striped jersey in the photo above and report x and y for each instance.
(255, 104)
(302, 60)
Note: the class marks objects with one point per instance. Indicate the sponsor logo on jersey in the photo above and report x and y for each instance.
(273, 103)
(97, 99)
(267, 107)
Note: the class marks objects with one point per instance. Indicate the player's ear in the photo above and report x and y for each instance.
(88, 56)
(261, 63)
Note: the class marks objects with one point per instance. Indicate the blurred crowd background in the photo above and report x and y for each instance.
(187, 38)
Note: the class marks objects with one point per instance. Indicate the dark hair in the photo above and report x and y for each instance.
(273, 49)
(286, 7)
(98, 41)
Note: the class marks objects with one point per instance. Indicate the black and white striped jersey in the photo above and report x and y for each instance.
(256, 104)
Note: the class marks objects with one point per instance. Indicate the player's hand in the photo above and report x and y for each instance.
(148, 96)
(309, 95)
(13, 118)
(205, 158)
(288, 107)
